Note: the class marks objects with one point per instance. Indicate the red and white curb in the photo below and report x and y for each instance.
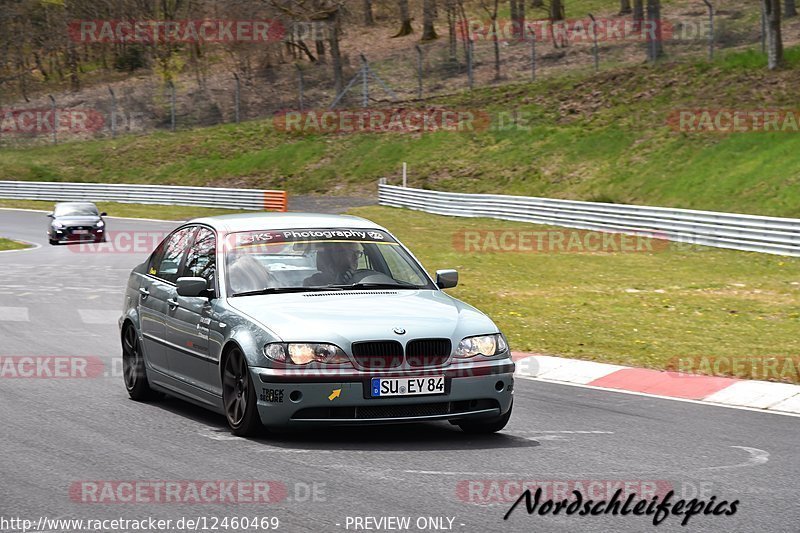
(781, 398)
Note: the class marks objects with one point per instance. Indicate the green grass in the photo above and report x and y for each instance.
(638, 309)
(587, 137)
(6, 245)
(162, 212)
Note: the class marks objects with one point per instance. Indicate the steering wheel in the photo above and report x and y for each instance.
(366, 275)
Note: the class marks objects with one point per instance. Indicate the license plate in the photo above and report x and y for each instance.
(81, 232)
(382, 387)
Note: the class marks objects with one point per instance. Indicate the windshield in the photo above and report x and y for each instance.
(76, 210)
(319, 259)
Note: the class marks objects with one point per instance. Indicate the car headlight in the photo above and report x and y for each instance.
(305, 353)
(58, 225)
(486, 345)
(100, 224)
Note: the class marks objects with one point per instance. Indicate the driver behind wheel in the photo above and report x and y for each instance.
(336, 262)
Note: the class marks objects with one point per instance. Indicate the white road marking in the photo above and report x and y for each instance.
(94, 316)
(757, 457)
(14, 314)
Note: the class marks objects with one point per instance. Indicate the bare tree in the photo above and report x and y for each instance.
(625, 7)
(428, 16)
(789, 9)
(492, 12)
(451, 9)
(557, 10)
(655, 45)
(369, 19)
(638, 11)
(772, 10)
(405, 19)
(518, 18)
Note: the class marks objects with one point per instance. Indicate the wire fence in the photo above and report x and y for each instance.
(407, 74)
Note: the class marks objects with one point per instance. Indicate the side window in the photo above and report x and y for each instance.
(202, 260)
(168, 260)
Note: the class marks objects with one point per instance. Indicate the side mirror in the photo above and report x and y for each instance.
(50, 215)
(446, 279)
(192, 287)
(103, 214)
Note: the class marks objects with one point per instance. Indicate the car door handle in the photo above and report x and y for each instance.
(144, 292)
(172, 302)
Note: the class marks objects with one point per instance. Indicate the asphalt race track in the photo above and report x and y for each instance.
(59, 434)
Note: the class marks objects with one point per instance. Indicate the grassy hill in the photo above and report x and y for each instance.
(600, 137)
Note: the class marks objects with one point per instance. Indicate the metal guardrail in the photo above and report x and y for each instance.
(709, 228)
(146, 194)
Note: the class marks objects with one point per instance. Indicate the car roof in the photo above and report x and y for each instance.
(75, 203)
(280, 221)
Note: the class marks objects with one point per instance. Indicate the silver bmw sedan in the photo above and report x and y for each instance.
(280, 320)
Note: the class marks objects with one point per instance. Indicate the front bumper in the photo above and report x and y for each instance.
(68, 234)
(480, 391)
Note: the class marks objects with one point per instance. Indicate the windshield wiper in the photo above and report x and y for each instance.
(280, 290)
(356, 286)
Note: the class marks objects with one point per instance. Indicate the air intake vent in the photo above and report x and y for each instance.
(346, 293)
(428, 352)
(376, 355)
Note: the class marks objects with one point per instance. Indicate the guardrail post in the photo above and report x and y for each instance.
(533, 56)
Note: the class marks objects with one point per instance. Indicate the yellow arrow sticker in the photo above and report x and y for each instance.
(335, 394)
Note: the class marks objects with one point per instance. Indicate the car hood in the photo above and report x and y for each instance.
(351, 316)
(78, 221)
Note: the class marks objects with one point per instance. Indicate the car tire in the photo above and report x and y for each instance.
(133, 370)
(484, 427)
(53, 242)
(239, 396)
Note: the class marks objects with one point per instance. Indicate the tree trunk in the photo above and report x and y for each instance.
(625, 7)
(514, 11)
(772, 9)
(638, 10)
(556, 10)
(405, 19)
(452, 18)
(428, 16)
(655, 46)
(369, 19)
(336, 54)
(789, 9)
(496, 41)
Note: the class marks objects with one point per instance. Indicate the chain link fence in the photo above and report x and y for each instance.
(405, 74)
